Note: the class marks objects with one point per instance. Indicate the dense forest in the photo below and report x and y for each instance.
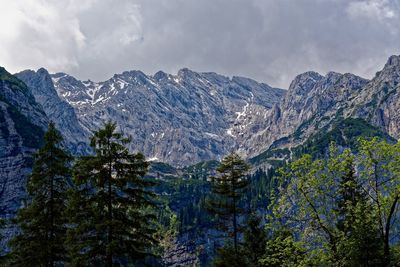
(111, 208)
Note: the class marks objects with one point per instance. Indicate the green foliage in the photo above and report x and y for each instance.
(342, 208)
(227, 189)
(360, 244)
(160, 167)
(380, 176)
(229, 256)
(283, 250)
(200, 171)
(344, 133)
(255, 239)
(112, 207)
(258, 193)
(42, 221)
(270, 153)
(12, 81)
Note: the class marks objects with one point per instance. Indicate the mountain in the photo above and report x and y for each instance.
(379, 101)
(178, 119)
(60, 112)
(22, 121)
(190, 117)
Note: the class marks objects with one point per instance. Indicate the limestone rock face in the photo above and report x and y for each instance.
(311, 102)
(59, 111)
(179, 119)
(190, 117)
(22, 122)
(379, 101)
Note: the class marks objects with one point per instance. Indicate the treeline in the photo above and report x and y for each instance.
(101, 210)
(341, 210)
(95, 210)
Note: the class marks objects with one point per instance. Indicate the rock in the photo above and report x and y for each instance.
(22, 124)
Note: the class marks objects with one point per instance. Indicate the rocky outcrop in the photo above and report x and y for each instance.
(379, 101)
(311, 103)
(190, 117)
(22, 122)
(60, 112)
(179, 119)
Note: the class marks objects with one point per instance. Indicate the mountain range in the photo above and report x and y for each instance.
(189, 117)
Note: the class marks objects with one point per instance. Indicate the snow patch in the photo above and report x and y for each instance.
(152, 159)
(229, 132)
(215, 136)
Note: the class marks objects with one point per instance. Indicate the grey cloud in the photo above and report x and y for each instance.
(268, 40)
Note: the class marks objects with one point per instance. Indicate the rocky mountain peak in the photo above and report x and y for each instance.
(304, 83)
(42, 80)
(246, 82)
(186, 73)
(41, 86)
(347, 80)
(160, 75)
(393, 60)
(333, 76)
(390, 72)
(42, 71)
(192, 113)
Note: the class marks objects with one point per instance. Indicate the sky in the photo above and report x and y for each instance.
(268, 40)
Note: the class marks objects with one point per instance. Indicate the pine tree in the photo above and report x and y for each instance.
(349, 195)
(227, 189)
(113, 219)
(42, 221)
(255, 239)
(361, 244)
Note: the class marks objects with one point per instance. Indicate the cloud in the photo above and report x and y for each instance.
(56, 34)
(268, 40)
(38, 33)
(372, 9)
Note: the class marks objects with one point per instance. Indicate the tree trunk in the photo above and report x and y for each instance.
(109, 258)
(234, 223)
(386, 249)
(234, 211)
(51, 260)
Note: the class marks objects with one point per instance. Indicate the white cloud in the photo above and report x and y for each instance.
(372, 9)
(39, 33)
(269, 40)
(49, 33)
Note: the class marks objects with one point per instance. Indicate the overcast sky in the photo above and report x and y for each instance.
(268, 40)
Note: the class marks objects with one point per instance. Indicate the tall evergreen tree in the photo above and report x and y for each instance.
(113, 219)
(227, 189)
(349, 195)
(255, 239)
(361, 244)
(42, 221)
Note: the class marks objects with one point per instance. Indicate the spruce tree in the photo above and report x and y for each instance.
(361, 244)
(111, 204)
(42, 222)
(255, 239)
(227, 189)
(349, 195)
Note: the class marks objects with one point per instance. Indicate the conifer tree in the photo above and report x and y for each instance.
(42, 222)
(227, 189)
(111, 205)
(255, 239)
(349, 194)
(361, 244)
